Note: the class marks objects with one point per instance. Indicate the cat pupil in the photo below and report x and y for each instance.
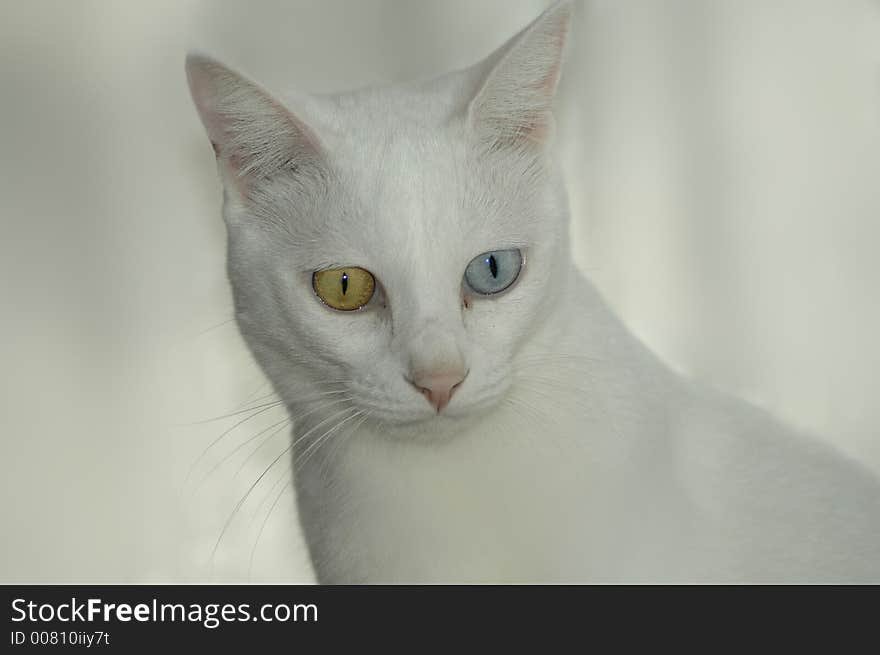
(493, 265)
(344, 283)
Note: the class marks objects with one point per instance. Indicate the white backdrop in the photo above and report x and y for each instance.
(723, 160)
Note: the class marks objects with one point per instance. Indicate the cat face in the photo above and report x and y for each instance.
(394, 249)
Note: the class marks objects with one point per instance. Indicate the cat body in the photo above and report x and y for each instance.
(445, 431)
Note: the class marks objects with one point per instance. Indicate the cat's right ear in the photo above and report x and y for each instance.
(254, 136)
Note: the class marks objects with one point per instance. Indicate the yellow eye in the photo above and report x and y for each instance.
(345, 289)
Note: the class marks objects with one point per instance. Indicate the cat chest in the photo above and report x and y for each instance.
(425, 518)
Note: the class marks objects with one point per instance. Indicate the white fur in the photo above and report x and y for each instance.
(570, 453)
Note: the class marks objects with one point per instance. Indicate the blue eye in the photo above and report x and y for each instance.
(494, 271)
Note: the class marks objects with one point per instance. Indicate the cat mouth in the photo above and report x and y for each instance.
(457, 411)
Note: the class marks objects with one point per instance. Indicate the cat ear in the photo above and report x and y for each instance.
(515, 102)
(253, 134)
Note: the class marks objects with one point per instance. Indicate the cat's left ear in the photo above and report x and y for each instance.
(514, 105)
(253, 134)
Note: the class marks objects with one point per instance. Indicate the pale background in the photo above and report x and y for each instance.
(723, 160)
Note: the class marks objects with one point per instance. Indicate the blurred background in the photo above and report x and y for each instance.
(723, 163)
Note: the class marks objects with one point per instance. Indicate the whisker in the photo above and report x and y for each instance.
(536, 417)
(539, 418)
(244, 443)
(258, 449)
(587, 378)
(284, 488)
(318, 425)
(236, 413)
(250, 490)
(346, 437)
(242, 500)
(313, 448)
(557, 358)
(252, 399)
(213, 327)
(284, 477)
(287, 487)
(293, 421)
(193, 466)
(532, 386)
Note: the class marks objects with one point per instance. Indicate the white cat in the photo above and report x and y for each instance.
(465, 406)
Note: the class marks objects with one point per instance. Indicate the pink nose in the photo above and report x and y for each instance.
(438, 387)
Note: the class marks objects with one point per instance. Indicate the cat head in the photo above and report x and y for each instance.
(396, 247)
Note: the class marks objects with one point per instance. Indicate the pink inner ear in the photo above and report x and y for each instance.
(252, 134)
(539, 132)
(204, 76)
(539, 129)
(232, 165)
(200, 79)
(515, 104)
